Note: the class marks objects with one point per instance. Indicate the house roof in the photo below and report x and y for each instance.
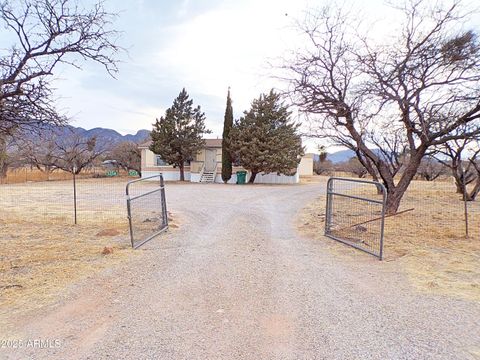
(208, 143)
(213, 142)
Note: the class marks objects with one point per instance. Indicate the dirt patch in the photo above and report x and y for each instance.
(108, 232)
(41, 259)
(428, 243)
(313, 179)
(107, 250)
(37, 262)
(174, 220)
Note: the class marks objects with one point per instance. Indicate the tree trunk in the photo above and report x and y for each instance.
(3, 159)
(182, 173)
(459, 180)
(460, 188)
(471, 196)
(252, 177)
(395, 193)
(393, 201)
(3, 171)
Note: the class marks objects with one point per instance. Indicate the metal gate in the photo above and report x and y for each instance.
(355, 213)
(146, 208)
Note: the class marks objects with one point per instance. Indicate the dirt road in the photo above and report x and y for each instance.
(236, 281)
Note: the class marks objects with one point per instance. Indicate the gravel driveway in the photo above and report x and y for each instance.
(236, 281)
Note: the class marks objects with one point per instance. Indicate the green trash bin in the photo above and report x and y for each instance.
(241, 177)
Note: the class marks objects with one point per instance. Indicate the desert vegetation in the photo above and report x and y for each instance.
(394, 102)
(428, 244)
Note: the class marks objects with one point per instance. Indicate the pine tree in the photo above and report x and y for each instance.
(177, 136)
(265, 139)
(227, 126)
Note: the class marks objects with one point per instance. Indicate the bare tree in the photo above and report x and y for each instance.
(462, 158)
(74, 153)
(325, 167)
(403, 98)
(127, 155)
(322, 153)
(6, 158)
(431, 169)
(354, 166)
(40, 150)
(47, 33)
(4, 163)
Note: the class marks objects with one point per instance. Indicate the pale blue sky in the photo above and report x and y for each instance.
(205, 46)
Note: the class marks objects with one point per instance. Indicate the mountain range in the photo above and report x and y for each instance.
(337, 157)
(111, 136)
(341, 156)
(104, 136)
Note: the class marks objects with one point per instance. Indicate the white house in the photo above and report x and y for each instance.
(207, 167)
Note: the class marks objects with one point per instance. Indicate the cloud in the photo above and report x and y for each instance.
(205, 48)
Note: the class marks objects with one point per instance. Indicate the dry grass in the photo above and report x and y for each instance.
(43, 251)
(314, 179)
(39, 261)
(98, 200)
(429, 243)
(27, 174)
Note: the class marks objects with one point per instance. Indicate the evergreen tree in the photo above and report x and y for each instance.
(227, 126)
(265, 139)
(322, 153)
(177, 136)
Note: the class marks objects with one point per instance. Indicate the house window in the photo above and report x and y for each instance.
(159, 161)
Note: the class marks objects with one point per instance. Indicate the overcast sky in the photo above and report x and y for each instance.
(205, 46)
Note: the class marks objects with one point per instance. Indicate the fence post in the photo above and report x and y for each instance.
(465, 205)
(164, 201)
(75, 195)
(328, 206)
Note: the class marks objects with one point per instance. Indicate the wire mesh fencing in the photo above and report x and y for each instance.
(98, 201)
(432, 216)
(91, 209)
(355, 213)
(437, 209)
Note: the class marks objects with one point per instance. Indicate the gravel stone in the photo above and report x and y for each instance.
(236, 281)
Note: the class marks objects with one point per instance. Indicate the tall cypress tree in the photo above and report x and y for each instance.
(227, 126)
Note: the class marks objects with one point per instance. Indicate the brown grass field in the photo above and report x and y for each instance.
(43, 251)
(31, 174)
(428, 243)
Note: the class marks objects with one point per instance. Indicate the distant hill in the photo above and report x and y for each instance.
(345, 155)
(105, 137)
(111, 136)
(341, 156)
